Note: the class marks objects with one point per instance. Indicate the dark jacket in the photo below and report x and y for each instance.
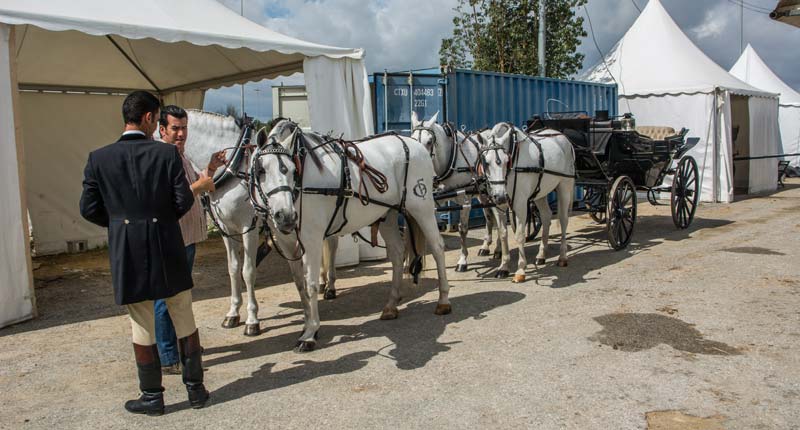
(137, 188)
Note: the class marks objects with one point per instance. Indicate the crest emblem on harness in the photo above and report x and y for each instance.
(420, 190)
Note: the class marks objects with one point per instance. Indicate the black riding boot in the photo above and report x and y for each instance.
(191, 358)
(151, 402)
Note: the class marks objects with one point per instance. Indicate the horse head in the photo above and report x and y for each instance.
(277, 173)
(496, 158)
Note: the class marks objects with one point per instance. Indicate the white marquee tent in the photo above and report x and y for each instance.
(65, 67)
(664, 79)
(752, 69)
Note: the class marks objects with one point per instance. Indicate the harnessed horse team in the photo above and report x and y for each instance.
(304, 189)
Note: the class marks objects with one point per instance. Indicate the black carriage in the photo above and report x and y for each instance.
(614, 160)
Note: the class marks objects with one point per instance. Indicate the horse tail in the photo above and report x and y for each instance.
(415, 246)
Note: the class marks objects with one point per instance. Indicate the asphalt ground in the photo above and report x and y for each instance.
(683, 329)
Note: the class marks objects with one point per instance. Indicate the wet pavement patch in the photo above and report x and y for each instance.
(753, 250)
(677, 420)
(631, 332)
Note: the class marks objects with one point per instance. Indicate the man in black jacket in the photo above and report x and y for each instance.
(137, 188)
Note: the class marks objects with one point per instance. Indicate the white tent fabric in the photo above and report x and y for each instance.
(765, 140)
(752, 69)
(664, 79)
(76, 59)
(16, 299)
(326, 102)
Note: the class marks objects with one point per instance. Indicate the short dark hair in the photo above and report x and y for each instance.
(137, 104)
(173, 111)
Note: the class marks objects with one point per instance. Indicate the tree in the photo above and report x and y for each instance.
(502, 36)
(229, 110)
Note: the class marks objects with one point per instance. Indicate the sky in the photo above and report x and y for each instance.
(406, 34)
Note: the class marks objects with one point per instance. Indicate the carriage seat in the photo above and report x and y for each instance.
(656, 132)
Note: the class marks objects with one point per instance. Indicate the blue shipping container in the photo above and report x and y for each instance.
(473, 100)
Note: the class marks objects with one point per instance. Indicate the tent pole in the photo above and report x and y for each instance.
(133, 63)
(715, 166)
(23, 197)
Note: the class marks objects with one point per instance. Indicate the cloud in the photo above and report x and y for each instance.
(715, 23)
(406, 34)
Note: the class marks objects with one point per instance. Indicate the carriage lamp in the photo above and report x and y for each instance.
(628, 123)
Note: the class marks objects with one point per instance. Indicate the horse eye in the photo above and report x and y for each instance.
(284, 169)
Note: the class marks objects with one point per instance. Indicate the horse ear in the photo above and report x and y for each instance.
(287, 143)
(414, 119)
(261, 138)
(433, 120)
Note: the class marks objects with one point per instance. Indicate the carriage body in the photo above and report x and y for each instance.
(613, 161)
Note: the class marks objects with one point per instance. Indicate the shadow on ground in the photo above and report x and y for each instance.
(589, 250)
(413, 341)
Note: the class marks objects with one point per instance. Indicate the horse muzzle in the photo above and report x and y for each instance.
(500, 199)
(285, 221)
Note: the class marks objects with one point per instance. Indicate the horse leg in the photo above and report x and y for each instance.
(328, 286)
(395, 250)
(296, 268)
(520, 209)
(250, 242)
(463, 229)
(426, 223)
(565, 190)
(502, 242)
(234, 250)
(487, 238)
(312, 260)
(546, 215)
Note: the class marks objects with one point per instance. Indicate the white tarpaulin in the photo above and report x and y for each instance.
(326, 102)
(752, 69)
(765, 140)
(664, 79)
(16, 299)
(74, 59)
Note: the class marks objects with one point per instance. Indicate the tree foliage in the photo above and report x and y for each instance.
(502, 36)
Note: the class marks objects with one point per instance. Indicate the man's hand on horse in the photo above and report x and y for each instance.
(217, 160)
(204, 184)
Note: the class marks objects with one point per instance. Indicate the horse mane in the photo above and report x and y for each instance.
(310, 141)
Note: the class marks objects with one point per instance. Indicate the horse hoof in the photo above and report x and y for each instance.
(461, 268)
(230, 322)
(322, 288)
(562, 263)
(305, 346)
(518, 279)
(483, 252)
(443, 309)
(501, 274)
(252, 329)
(540, 261)
(389, 314)
(330, 294)
(497, 255)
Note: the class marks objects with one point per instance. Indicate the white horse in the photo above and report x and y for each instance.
(300, 194)
(238, 223)
(521, 166)
(234, 215)
(455, 160)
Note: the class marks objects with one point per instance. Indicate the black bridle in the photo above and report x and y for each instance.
(259, 198)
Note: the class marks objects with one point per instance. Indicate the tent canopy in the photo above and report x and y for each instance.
(655, 57)
(75, 60)
(161, 46)
(752, 69)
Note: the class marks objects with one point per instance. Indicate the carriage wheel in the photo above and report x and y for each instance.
(533, 227)
(594, 200)
(598, 216)
(685, 192)
(621, 212)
